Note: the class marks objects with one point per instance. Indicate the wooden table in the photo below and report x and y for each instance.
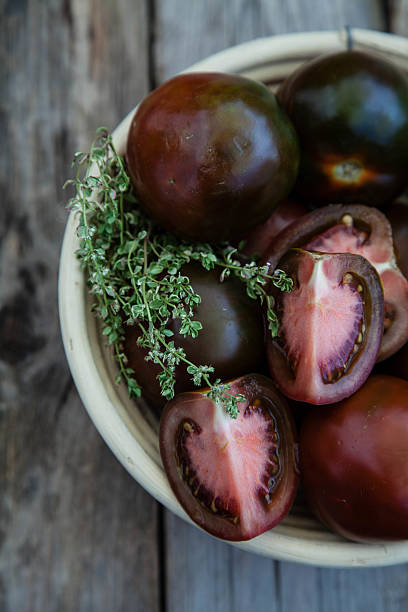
(76, 532)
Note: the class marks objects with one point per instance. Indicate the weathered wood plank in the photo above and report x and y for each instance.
(307, 589)
(186, 32)
(79, 533)
(76, 532)
(202, 573)
(398, 16)
(206, 574)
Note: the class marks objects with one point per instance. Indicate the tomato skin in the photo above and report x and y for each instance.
(397, 215)
(211, 155)
(232, 338)
(258, 241)
(330, 326)
(354, 462)
(397, 365)
(350, 110)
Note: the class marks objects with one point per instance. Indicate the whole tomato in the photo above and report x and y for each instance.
(211, 155)
(350, 111)
(354, 461)
(232, 338)
(397, 214)
(397, 365)
(260, 238)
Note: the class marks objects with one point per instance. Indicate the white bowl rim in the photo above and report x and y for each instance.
(85, 364)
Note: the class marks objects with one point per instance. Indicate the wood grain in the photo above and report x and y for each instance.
(203, 573)
(398, 16)
(77, 533)
(207, 27)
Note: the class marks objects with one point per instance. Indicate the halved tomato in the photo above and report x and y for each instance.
(330, 326)
(235, 478)
(364, 231)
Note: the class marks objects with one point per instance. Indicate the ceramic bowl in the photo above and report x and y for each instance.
(130, 428)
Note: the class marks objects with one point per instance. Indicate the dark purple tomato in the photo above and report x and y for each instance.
(259, 239)
(235, 478)
(354, 462)
(397, 215)
(350, 111)
(397, 365)
(364, 231)
(232, 338)
(211, 155)
(330, 326)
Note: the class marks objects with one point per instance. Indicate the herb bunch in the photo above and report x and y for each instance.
(134, 272)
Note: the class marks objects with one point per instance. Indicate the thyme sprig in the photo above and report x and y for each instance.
(134, 271)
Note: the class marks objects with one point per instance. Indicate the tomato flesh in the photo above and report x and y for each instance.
(330, 326)
(333, 313)
(240, 451)
(344, 238)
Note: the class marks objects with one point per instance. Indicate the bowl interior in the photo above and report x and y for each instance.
(130, 428)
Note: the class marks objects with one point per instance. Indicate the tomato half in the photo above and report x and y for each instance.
(235, 478)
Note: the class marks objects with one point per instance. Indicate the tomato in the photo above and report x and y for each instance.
(354, 461)
(350, 110)
(397, 214)
(330, 326)
(258, 241)
(236, 478)
(232, 338)
(211, 155)
(364, 231)
(397, 365)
